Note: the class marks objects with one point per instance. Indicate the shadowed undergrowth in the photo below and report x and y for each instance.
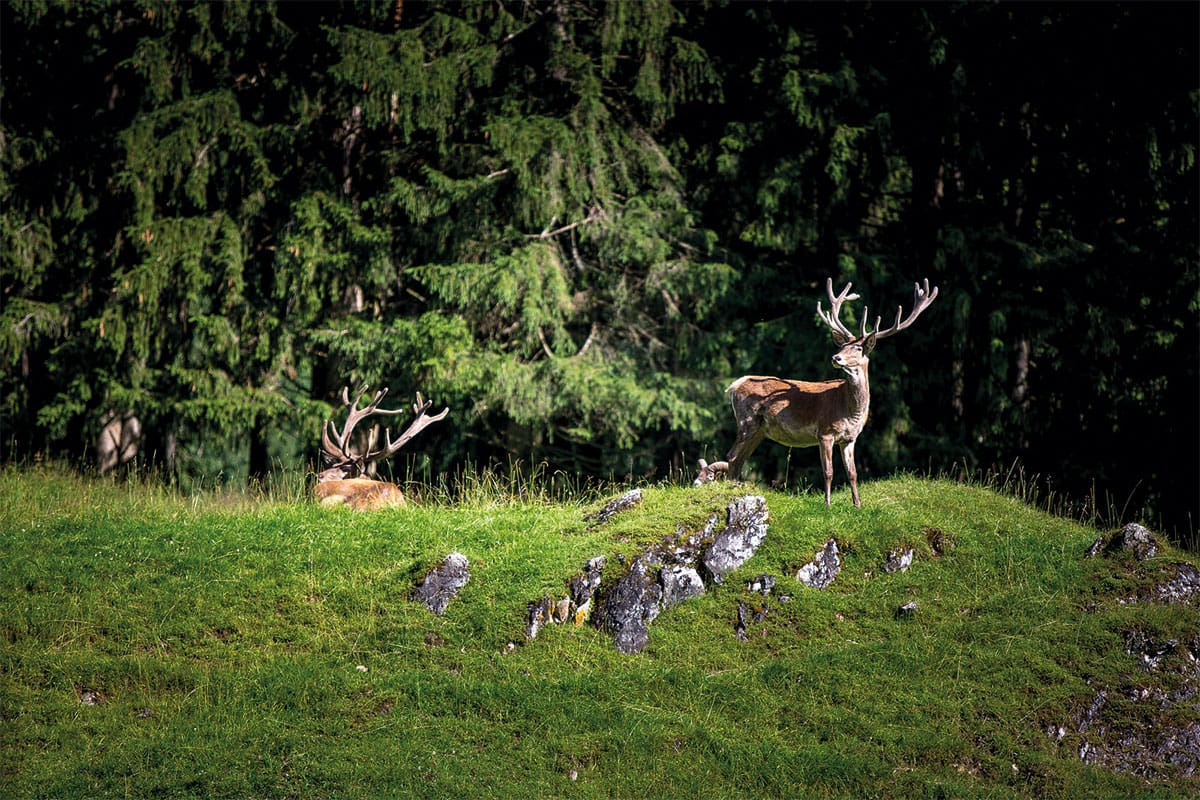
(158, 645)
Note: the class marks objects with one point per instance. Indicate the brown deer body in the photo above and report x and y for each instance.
(805, 413)
(361, 494)
(342, 483)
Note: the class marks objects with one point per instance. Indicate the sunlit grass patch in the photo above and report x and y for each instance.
(161, 644)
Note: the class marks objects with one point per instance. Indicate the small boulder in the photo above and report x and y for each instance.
(443, 583)
(539, 615)
(743, 620)
(679, 583)
(615, 506)
(763, 585)
(562, 610)
(628, 608)
(745, 529)
(668, 572)
(1181, 588)
(898, 560)
(582, 587)
(1133, 538)
(823, 569)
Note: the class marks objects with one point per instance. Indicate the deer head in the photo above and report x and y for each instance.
(338, 451)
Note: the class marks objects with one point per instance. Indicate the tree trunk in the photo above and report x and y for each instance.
(260, 460)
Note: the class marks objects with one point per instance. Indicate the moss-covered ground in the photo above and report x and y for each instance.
(156, 645)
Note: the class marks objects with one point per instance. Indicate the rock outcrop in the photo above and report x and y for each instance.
(744, 531)
(613, 507)
(1147, 728)
(823, 569)
(1149, 725)
(443, 583)
(681, 566)
(1132, 538)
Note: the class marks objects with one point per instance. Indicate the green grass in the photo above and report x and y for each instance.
(265, 647)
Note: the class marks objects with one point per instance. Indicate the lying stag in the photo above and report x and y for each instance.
(343, 481)
(803, 414)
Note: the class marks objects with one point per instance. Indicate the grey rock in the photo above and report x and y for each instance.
(679, 583)
(666, 573)
(540, 614)
(763, 585)
(443, 583)
(1183, 587)
(1152, 731)
(746, 615)
(583, 587)
(1133, 538)
(683, 548)
(616, 506)
(743, 619)
(745, 529)
(898, 560)
(627, 609)
(823, 569)
(1149, 651)
(562, 610)
(1150, 751)
(576, 605)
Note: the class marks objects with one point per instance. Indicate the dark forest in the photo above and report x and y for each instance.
(574, 223)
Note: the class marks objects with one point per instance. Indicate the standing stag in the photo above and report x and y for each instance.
(343, 482)
(803, 413)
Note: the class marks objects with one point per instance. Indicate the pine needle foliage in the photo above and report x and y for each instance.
(577, 221)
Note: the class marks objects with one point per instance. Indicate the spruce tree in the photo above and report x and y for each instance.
(537, 268)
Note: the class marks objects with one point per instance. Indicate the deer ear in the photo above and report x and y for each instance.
(868, 344)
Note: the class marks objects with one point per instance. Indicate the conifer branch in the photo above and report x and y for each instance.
(516, 33)
(203, 152)
(579, 265)
(545, 344)
(594, 213)
(587, 343)
(591, 337)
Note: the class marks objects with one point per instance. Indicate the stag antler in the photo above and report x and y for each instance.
(338, 448)
(418, 424)
(921, 300)
(841, 334)
(338, 445)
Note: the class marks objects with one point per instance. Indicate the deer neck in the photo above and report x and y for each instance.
(858, 394)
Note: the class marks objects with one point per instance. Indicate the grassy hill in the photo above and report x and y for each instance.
(162, 646)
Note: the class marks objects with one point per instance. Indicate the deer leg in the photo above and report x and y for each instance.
(851, 472)
(826, 448)
(749, 436)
